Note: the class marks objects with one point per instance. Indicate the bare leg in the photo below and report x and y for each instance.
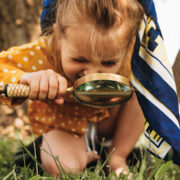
(71, 151)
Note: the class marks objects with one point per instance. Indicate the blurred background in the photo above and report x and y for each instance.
(169, 19)
(168, 12)
(19, 23)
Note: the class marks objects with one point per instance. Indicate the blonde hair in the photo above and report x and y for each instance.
(102, 14)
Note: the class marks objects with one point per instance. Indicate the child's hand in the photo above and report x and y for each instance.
(118, 165)
(45, 85)
(91, 156)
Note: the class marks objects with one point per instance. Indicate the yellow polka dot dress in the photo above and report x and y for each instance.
(71, 116)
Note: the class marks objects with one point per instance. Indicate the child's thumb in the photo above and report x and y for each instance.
(91, 156)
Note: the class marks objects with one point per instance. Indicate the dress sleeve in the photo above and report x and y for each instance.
(19, 60)
(10, 71)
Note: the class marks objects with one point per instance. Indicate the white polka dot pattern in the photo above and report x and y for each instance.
(1, 83)
(40, 61)
(19, 65)
(38, 47)
(5, 70)
(25, 59)
(34, 68)
(13, 79)
(31, 53)
(10, 56)
(70, 116)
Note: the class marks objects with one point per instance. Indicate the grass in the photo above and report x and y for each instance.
(147, 169)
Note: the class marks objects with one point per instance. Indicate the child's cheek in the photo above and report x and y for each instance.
(71, 70)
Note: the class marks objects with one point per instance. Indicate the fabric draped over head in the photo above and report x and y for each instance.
(153, 79)
(48, 15)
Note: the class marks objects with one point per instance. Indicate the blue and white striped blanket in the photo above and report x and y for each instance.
(153, 78)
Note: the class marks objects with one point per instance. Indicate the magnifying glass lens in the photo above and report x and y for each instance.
(102, 93)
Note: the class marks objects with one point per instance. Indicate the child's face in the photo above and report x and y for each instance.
(81, 56)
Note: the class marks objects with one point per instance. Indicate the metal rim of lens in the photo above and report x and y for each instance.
(102, 76)
(102, 106)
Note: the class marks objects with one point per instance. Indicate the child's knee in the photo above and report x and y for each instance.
(71, 153)
(69, 165)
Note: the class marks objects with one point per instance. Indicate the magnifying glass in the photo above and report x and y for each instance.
(96, 90)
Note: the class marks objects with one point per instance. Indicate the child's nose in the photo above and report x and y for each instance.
(91, 71)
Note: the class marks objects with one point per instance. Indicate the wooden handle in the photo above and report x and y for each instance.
(15, 90)
(19, 90)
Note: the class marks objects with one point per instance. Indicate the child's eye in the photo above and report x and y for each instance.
(80, 60)
(108, 63)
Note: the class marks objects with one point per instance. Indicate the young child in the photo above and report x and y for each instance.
(88, 37)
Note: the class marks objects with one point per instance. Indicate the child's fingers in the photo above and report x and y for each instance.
(62, 88)
(118, 171)
(44, 87)
(53, 87)
(34, 85)
(91, 156)
(24, 79)
(34, 89)
(121, 170)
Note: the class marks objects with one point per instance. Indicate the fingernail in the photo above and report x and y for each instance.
(59, 101)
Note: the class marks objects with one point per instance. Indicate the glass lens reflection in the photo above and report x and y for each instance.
(103, 93)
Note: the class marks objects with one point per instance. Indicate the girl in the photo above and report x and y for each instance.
(87, 37)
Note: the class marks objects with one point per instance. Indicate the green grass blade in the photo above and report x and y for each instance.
(29, 153)
(142, 169)
(9, 175)
(160, 172)
(107, 159)
(35, 177)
